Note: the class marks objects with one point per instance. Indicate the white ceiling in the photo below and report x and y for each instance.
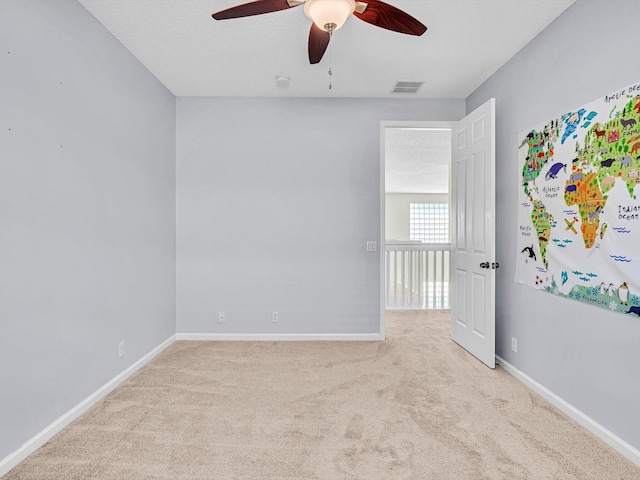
(194, 55)
(417, 160)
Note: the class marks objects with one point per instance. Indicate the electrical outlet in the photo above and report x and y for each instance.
(121, 349)
(274, 317)
(514, 345)
(221, 318)
(372, 247)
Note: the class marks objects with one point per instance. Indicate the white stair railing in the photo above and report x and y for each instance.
(417, 275)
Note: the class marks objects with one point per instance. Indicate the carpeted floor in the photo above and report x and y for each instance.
(415, 407)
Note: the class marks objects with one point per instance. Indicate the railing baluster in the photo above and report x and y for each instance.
(416, 278)
(441, 282)
(409, 282)
(387, 262)
(435, 279)
(429, 283)
(447, 255)
(402, 284)
(419, 289)
(432, 275)
(410, 279)
(445, 282)
(395, 278)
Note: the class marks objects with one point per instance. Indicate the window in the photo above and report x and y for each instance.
(429, 222)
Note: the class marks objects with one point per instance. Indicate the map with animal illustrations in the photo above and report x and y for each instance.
(578, 211)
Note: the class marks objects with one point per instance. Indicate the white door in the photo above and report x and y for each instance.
(473, 233)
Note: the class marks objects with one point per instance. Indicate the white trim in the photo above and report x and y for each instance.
(587, 422)
(383, 234)
(35, 442)
(283, 337)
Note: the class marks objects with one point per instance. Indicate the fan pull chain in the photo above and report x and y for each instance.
(330, 59)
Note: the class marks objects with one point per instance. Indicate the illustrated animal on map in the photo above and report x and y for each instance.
(625, 161)
(554, 170)
(607, 163)
(599, 133)
(570, 188)
(627, 123)
(530, 251)
(635, 148)
(604, 150)
(577, 177)
(623, 293)
(634, 310)
(611, 291)
(603, 289)
(592, 216)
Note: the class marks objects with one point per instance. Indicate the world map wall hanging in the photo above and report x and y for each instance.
(578, 210)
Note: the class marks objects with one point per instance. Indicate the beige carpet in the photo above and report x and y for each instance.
(413, 407)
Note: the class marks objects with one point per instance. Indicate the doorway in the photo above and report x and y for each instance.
(471, 223)
(415, 221)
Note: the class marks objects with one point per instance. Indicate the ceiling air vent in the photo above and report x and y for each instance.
(407, 87)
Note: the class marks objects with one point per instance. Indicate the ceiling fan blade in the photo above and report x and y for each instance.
(318, 43)
(254, 8)
(387, 16)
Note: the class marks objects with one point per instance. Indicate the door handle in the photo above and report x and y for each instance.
(492, 265)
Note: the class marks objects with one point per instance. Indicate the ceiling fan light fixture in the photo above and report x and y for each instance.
(329, 15)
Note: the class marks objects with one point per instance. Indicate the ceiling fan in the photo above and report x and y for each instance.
(329, 15)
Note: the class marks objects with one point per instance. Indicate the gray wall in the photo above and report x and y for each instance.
(276, 199)
(586, 355)
(87, 212)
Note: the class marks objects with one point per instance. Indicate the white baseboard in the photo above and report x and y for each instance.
(35, 442)
(587, 422)
(283, 337)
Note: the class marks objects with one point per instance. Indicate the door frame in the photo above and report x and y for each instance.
(448, 124)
